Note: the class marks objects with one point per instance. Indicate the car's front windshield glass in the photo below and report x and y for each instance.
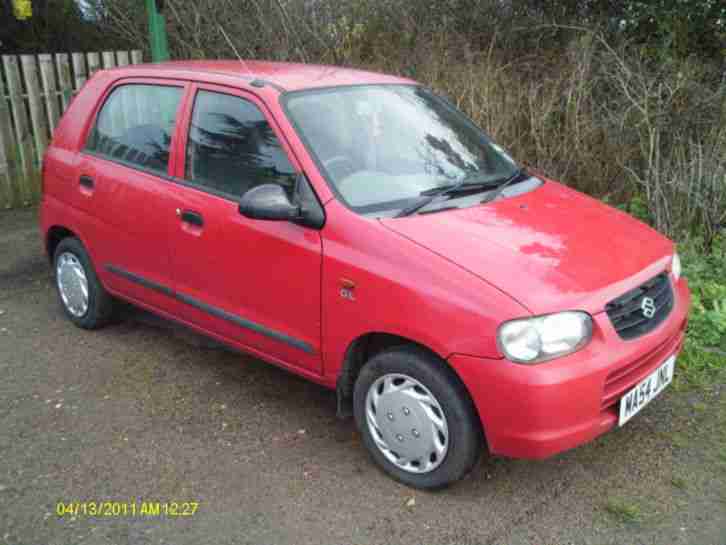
(382, 146)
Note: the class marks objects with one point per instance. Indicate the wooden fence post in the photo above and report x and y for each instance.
(37, 117)
(6, 192)
(79, 70)
(7, 170)
(50, 90)
(22, 151)
(94, 63)
(109, 59)
(64, 79)
(122, 57)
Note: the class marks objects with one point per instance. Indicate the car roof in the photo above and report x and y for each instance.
(283, 75)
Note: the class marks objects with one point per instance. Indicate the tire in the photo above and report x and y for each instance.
(439, 384)
(100, 304)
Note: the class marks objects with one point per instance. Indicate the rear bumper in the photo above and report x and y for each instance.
(540, 410)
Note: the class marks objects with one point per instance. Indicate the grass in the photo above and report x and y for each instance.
(698, 366)
(703, 360)
(679, 440)
(622, 510)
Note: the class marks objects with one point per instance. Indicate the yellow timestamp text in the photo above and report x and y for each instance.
(126, 508)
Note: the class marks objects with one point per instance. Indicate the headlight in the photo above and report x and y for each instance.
(676, 267)
(532, 340)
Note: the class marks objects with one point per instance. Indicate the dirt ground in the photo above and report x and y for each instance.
(146, 411)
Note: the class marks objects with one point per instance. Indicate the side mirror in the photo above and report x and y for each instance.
(268, 202)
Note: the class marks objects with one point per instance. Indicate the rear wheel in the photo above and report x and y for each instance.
(416, 418)
(82, 297)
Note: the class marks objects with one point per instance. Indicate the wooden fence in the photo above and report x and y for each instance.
(34, 92)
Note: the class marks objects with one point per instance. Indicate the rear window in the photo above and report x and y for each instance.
(135, 125)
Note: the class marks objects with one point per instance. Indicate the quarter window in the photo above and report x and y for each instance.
(232, 148)
(135, 125)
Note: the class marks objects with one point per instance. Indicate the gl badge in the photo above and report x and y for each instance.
(347, 289)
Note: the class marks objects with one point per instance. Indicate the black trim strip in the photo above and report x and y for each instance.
(243, 322)
(141, 280)
(214, 311)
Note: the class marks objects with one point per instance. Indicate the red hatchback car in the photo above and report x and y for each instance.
(360, 231)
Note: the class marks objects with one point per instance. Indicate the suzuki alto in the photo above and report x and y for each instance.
(360, 231)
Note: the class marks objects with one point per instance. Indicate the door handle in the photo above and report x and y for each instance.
(192, 218)
(86, 181)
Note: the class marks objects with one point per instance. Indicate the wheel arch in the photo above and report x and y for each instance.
(54, 236)
(362, 349)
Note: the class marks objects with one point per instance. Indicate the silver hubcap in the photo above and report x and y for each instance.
(407, 423)
(72, 284)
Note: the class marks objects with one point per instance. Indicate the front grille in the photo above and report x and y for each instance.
(623, 379)
(627, 314)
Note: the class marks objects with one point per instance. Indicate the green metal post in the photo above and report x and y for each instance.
(157, 33)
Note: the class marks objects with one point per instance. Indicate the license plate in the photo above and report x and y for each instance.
(637, 398)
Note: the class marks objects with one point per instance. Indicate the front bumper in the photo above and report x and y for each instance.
(539, 410)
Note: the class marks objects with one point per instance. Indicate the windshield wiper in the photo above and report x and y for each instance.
(517, 176)
(466, 184)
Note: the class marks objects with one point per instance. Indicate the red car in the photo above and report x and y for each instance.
(358, 230)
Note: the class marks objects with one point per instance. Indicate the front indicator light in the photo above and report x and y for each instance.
(533, 340)
(676, 267)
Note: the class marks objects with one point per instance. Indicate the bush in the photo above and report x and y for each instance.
(705, 273)
(704, 359)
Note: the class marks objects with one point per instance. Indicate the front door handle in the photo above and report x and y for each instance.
(86, 181)
(192, 218)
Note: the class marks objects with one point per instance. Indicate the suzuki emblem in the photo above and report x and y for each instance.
(647, 305)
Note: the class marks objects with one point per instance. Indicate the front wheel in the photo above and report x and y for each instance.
(416, 418)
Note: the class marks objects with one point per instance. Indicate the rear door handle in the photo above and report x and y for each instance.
(86, 181)
(192, 218)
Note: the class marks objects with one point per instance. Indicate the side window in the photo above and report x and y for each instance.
(135, 125)
(232, 148)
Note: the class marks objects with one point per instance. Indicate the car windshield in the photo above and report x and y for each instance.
(382, 146)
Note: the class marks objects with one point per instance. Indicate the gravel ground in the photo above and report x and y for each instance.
(144, 410)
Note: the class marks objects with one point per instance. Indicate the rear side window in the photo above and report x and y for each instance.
(232, 148)
(135, 125)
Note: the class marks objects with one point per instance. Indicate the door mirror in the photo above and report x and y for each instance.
(268, 202)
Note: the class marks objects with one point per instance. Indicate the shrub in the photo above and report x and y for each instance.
(708, 288)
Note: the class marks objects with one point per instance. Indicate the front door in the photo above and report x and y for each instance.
(256, 283)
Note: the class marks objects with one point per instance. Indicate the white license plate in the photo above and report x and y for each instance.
(637, 398)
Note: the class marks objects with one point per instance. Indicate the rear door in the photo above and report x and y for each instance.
(124, 175)
(255, 282)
